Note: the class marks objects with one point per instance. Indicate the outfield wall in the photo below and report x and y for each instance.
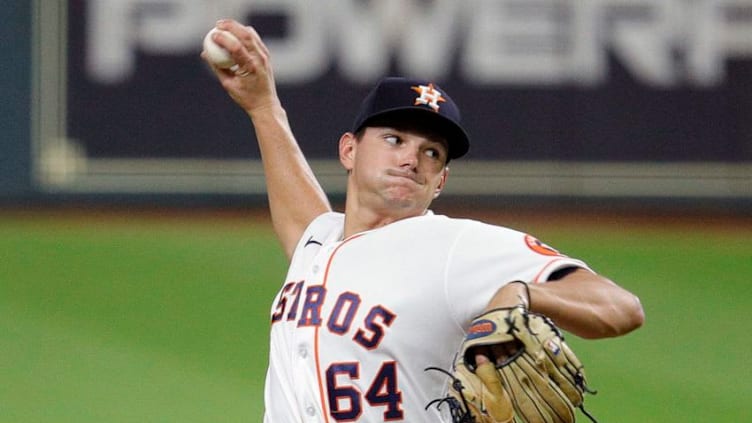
(15, 62)
(628, 100)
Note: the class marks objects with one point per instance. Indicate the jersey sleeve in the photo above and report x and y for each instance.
(324, 229)
(486, 257)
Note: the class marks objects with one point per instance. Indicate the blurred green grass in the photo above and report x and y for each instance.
(133, 318)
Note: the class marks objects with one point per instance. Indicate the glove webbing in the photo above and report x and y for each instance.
(460, 412)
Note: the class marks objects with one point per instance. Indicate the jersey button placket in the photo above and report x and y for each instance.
(310, 410)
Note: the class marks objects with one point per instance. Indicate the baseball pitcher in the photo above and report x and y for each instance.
(389, 312)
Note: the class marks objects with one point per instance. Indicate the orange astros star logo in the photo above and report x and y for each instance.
(429, 96)
(539, 247)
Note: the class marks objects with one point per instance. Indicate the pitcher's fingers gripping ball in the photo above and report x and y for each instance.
(217, 54)
(232, 52)
(542, 378)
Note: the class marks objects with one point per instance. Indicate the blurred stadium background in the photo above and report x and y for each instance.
(137, 264)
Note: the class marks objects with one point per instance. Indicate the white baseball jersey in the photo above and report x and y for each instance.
(358, 320)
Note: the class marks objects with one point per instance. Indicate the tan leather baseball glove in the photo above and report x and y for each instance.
(532, 374)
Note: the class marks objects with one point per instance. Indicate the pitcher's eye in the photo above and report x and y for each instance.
(392, 139)
(437, 153)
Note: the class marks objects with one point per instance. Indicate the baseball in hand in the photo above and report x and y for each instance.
(216, 54)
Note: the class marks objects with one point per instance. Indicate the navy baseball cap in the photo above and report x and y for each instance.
(420, 102)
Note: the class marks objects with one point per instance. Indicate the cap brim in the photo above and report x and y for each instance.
(458, 142)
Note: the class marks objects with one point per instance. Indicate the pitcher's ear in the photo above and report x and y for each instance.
(442, 183)
(347, 149)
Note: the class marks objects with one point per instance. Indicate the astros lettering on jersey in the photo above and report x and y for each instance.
(350, 307)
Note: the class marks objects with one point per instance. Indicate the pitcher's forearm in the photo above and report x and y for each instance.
(588, 305)
(295, 195)
(583, 303)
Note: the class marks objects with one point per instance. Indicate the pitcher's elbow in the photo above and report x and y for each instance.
(632, 318)
(623, 320)
(636, 315)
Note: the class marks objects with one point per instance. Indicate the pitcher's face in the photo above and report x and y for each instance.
(395, 168)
